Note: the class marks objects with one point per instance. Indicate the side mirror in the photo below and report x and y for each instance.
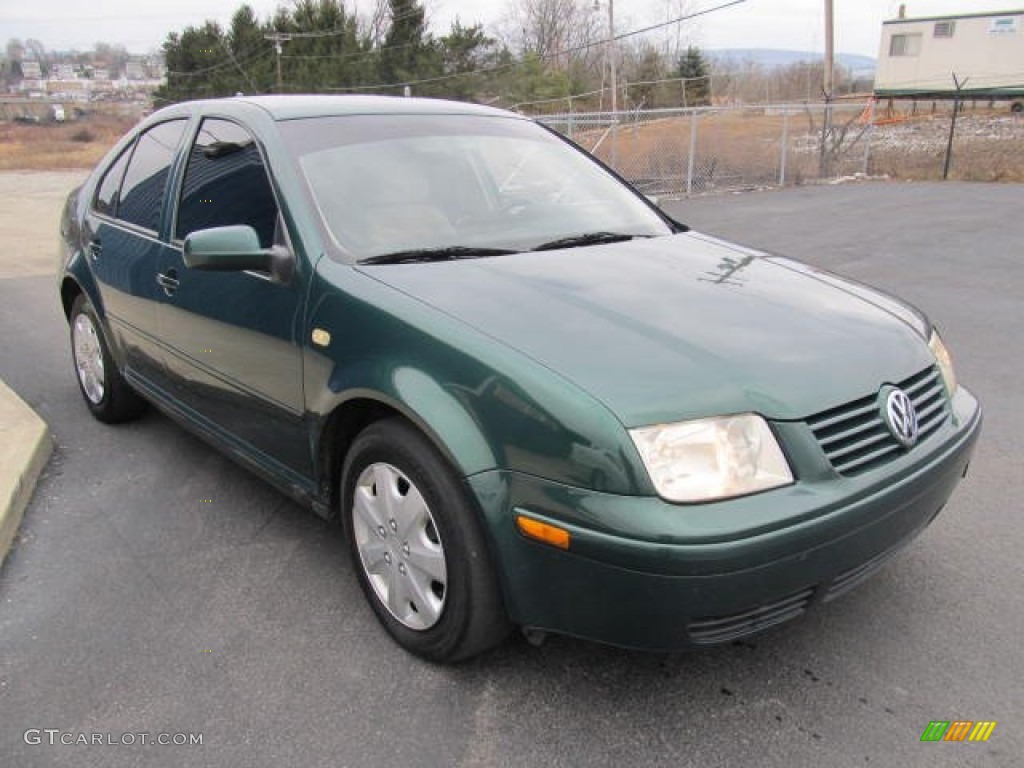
(234, 249)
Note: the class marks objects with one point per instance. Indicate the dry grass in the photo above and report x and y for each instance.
(53, 146)
(987, 147)
(743, 148)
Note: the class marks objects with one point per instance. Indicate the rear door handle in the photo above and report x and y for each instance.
(168, 281)
(95, 248)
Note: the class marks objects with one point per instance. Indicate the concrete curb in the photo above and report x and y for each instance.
(25, 447)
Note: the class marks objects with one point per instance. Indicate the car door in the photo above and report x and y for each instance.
(233, 346)
(124, 247)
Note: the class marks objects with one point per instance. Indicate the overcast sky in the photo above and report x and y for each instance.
(142, 25)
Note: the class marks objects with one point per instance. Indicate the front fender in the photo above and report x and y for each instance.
(413, 393)
(483, 404)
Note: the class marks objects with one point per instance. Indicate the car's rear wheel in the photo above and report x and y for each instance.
(417, 546)
(105, 391)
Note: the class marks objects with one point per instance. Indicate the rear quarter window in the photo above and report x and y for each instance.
(105, 200)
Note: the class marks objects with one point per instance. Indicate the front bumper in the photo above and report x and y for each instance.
(643, 573)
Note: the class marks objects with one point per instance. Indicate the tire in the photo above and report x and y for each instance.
(106, 393)
(421, 558)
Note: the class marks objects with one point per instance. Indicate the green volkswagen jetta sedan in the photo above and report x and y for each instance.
(530, 397)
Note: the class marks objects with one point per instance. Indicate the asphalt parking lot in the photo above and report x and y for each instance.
(157, 588)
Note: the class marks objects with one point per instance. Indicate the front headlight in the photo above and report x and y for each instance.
(945, 361)
(713, 458)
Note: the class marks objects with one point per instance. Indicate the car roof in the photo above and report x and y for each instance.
(297, 106)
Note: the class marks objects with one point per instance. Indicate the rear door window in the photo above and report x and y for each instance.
(145, 180)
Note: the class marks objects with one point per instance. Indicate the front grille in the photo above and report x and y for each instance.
(855, 438)
(722, 629)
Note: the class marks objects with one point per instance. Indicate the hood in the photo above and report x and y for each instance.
(680, 327)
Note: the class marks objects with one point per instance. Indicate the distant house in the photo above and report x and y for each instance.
(32, 87)
(157, 69)
(918, 57)
(30, 70)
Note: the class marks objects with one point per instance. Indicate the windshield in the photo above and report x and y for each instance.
(393, 184)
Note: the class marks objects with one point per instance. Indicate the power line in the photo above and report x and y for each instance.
(252, 53)
(244, 74)
(687, 17)
(354, 54)
(631, 84)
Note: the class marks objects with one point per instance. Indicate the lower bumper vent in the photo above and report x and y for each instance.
(722, 629)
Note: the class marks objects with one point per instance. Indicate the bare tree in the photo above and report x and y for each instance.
(375, 22)
(677, 37)
(563, 33)
(643, 70)
(35, 49)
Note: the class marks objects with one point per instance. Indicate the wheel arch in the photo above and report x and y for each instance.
(77, 279)
(449, 428)
(80, 282)
(336, 436)
(69, 291)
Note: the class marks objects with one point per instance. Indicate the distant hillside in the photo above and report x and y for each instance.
(770, 58)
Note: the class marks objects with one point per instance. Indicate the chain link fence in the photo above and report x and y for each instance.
(707, 149)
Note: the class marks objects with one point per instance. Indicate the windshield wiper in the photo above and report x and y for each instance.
(445, 253)
(587, 238)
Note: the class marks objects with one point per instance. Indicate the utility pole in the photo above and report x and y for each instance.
(827, 87)
(829, 83)
(277, 38)
(611, 55)
(613, 72)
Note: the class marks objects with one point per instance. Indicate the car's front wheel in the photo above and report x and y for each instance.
(417, 546)
(106, 393)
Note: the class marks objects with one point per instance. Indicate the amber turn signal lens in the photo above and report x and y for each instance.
(549, 534)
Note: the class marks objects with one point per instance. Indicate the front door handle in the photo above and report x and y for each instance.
(168, 281)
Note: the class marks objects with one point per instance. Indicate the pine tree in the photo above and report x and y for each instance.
(694, 69)
(408, 49)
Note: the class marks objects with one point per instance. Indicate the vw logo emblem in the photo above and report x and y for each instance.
(900, 417)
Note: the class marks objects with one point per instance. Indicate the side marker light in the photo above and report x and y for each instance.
(549, 534)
